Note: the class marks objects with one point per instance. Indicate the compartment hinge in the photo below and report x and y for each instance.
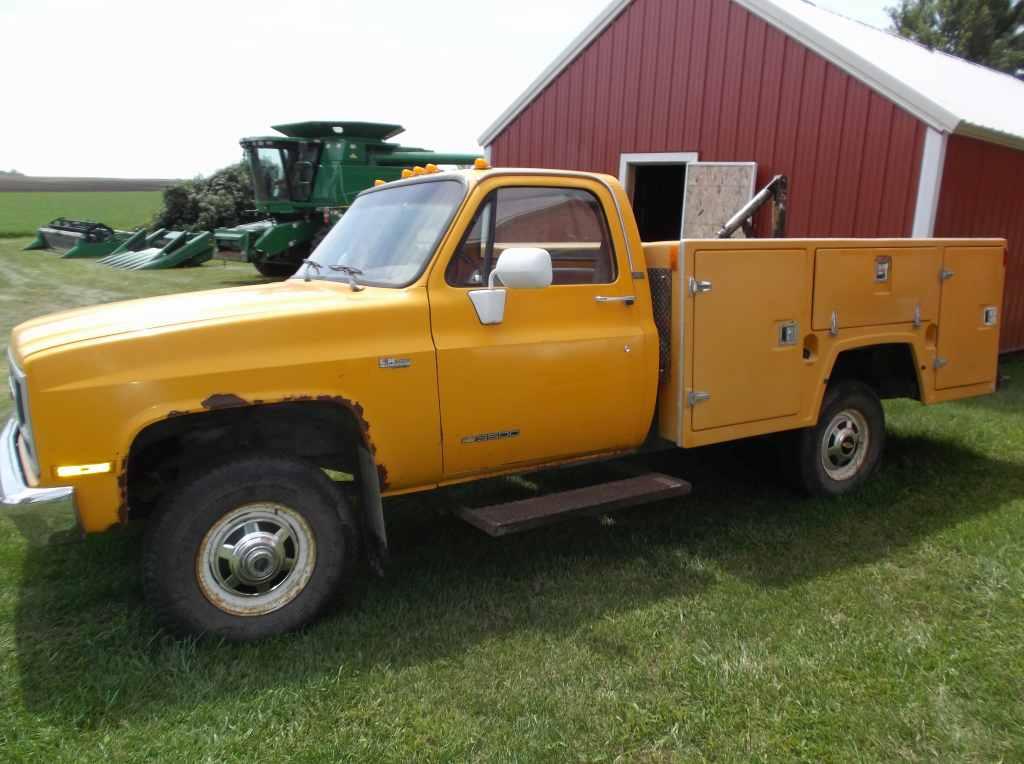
(917, 316)
(698, 397)
(945, 275)
(833, 324)
(699, 287)
(941, 363)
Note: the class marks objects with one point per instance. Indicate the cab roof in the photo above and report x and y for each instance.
(377, 131)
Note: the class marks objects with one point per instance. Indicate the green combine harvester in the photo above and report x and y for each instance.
(306, 179)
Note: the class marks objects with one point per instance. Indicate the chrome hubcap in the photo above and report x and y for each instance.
(256, 559)
(844, 446)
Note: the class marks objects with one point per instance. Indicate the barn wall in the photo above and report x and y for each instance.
(708, 76)
(983, 195)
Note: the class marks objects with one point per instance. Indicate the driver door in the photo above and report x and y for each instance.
(566, 374)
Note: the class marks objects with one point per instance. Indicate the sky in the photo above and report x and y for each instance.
(153, 89)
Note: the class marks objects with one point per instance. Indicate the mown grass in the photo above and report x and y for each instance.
(21, 213)
(741, 624)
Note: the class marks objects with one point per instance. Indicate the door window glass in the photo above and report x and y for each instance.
(569, 223)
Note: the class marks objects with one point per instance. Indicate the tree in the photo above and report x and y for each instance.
(203, 204)
(988, 32)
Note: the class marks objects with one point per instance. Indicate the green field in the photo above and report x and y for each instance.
(741, 624)
(21, 213)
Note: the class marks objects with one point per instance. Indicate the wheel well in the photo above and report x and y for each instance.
(324, 433)
(890, 370)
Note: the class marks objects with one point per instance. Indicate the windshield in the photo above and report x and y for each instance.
(388, 236)
(283, 172)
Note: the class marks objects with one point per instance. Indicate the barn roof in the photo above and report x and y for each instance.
(946, 92)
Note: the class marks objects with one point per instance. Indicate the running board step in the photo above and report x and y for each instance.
(524, 515)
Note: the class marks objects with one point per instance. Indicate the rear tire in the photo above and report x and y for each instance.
(840, 453)
(254, 547)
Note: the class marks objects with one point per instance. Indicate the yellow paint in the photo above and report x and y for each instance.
(571, 377)
(744, 365)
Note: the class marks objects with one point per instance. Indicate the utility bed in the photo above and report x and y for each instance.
(747, 325)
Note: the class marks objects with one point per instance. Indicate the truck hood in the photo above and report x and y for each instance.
(155, 313)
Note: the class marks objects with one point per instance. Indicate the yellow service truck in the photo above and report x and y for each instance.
(460, 325)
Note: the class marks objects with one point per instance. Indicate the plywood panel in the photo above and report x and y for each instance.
(714, 193)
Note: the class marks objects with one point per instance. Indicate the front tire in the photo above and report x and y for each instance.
(840, 453)
(254, 547)
(276, 269)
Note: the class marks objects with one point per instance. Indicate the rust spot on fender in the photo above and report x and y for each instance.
(122, 489)
(230, 400)
(224, 401)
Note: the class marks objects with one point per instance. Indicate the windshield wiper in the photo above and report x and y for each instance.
(308, 264)
(351, 272)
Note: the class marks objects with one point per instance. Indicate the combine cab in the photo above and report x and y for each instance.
(79, 238)
(304, 180)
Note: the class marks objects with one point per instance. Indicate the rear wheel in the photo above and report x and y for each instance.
(254, 547)
(845, 448)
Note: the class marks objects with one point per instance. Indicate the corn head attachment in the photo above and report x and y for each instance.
(162, 249)
(79, 238)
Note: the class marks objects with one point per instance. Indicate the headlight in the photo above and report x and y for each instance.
(19, 393)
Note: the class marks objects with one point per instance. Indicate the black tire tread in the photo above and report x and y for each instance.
(174, 601)
(811, 478)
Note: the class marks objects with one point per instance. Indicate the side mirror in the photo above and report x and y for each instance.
(517, 268)
(523, 268)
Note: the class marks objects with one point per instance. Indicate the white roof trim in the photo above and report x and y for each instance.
(862, 68)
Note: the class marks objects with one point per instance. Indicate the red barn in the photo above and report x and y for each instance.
(879, 136)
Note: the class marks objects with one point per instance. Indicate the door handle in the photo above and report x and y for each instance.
(628, 300)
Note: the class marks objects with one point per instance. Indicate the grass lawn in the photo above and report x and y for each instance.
(741, 624)
(21, 213)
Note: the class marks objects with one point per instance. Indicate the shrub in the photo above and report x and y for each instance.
(202, 204)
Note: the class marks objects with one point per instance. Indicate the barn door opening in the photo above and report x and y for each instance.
(656, 184)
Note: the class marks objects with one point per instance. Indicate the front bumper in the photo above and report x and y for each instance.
(43, 515)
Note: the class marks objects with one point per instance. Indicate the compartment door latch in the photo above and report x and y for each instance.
(698, 397)
(699, 287)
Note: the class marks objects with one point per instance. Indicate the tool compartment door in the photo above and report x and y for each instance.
(968, 332)
(740, 358)
(870, 286)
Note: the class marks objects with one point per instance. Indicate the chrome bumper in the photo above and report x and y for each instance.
(52, 512)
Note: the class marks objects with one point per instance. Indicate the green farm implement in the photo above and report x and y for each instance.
(79, 238)
(162, 249)
(304, 180)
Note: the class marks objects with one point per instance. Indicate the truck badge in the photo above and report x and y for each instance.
(487, 437)
(394, 363)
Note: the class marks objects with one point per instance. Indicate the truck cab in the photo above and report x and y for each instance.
(461, 325)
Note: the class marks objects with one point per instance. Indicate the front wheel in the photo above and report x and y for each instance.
(276, 270)
(844, 449)
(252, 548)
